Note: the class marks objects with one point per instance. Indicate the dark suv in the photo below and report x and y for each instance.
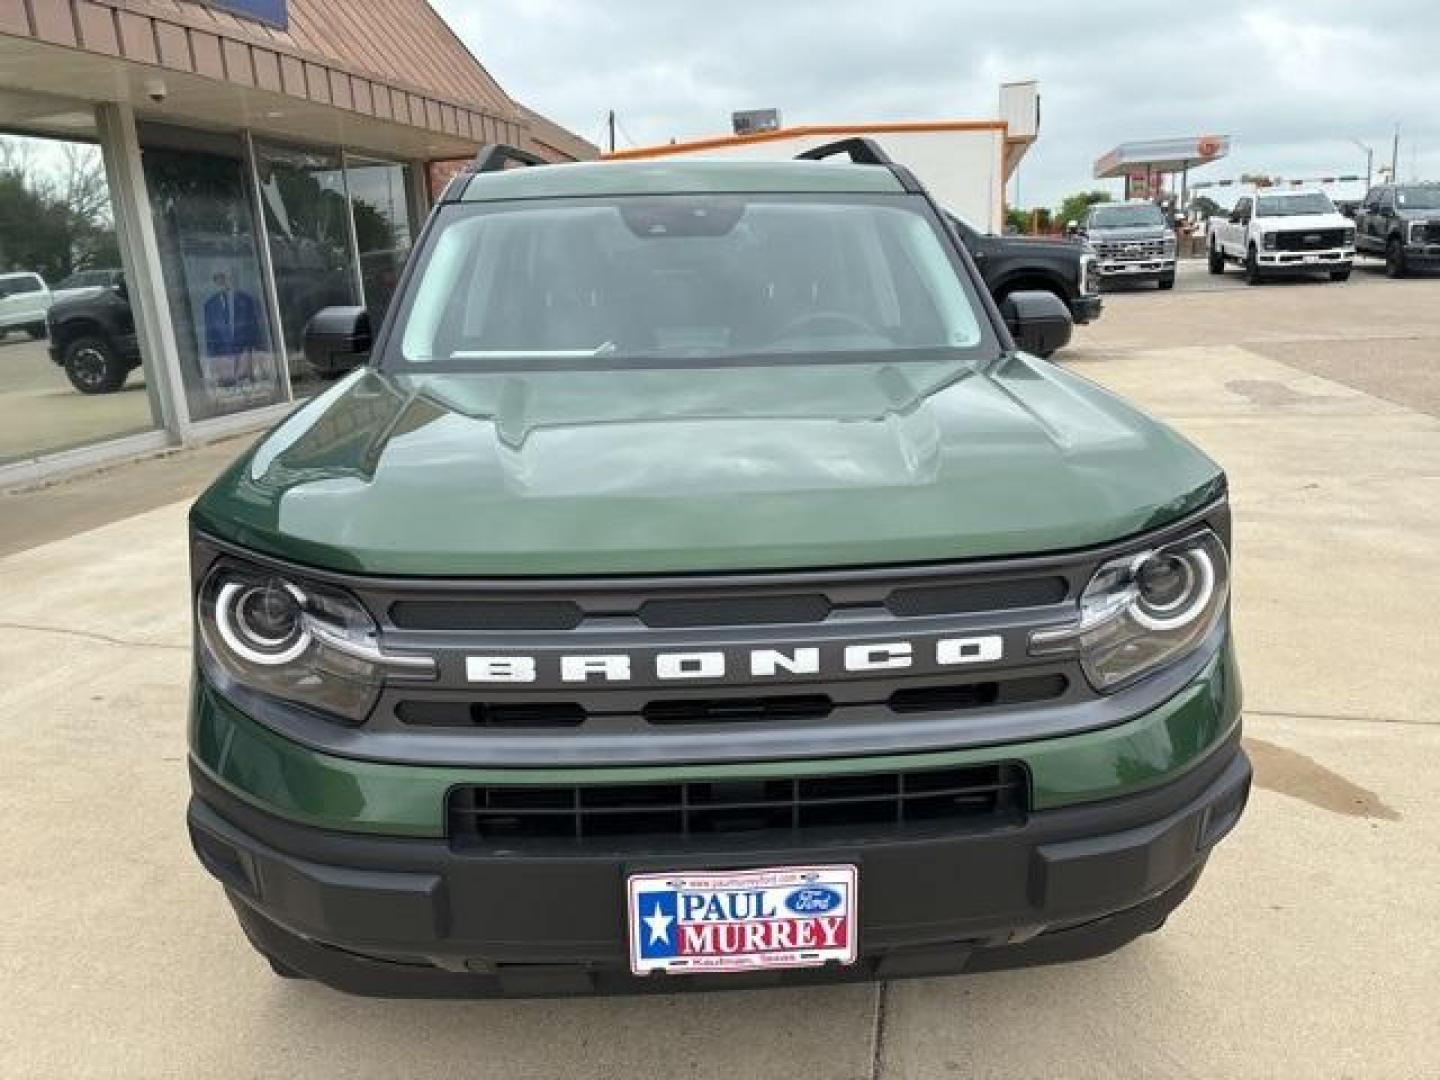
(1401, 224)
(92, 336)
(701, 584)
(1011, 264)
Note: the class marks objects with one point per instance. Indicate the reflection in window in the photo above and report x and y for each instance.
(69, 357)
(303, 195)
(380, 197)
(211, 265)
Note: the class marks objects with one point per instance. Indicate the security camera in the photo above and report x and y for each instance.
(156, 90)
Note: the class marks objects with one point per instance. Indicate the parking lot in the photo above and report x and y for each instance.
(40, 411)
(1311, 947)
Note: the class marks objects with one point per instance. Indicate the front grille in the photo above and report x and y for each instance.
(1310, 240)
(1120, 250)
(731, 709)
(981, 795)
(1432, 231)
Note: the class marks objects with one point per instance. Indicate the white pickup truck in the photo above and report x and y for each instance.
(1283, 232)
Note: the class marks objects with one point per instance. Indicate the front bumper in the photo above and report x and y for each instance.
(1130, 268)
(1084, 309)
(1285, 261)
(395, 915)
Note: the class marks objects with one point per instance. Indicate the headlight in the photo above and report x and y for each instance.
(300, 641)
(1089, 274)
(1417, 232)
(1269, 241)
(1144, 611)
(1169, 245)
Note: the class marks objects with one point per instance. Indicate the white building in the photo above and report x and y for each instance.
(964, 163)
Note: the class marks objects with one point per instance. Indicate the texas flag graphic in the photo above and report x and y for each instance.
(743, 920)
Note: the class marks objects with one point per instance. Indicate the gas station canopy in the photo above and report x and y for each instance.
(1141, 164)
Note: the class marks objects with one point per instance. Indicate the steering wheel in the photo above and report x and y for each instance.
(815, 321)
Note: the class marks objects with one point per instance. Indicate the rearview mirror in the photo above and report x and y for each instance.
(337, 339)
(1039, 321)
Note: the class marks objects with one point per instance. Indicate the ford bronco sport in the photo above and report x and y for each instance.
(698, 587)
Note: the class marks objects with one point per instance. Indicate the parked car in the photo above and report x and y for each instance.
(92, 336)
(24, 299)
(1282, 232)
(702, 581)
(83, 280)
(1132, 241)
(1401, 224)
(1012, 264)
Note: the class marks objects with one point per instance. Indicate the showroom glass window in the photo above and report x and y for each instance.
(380, 201)
(85, 383)
(210, 261)
(307, 220)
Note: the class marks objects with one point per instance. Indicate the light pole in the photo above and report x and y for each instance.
(1369, 162)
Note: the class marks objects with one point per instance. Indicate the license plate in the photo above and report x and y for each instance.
(742, 920)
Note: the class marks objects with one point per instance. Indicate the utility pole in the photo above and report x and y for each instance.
(610, 125)
(1395, 157)
(1369, 162)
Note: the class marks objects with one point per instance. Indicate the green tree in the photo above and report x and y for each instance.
(1074, 206)
(1205, 206)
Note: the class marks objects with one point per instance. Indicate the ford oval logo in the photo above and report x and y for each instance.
(813, 900)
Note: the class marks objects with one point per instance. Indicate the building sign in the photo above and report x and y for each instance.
(270, 12)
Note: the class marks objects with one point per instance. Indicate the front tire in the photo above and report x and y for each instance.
(1395, 265)
(1217, 260)
(1340, 275)
(93, 366)
(1252, 267)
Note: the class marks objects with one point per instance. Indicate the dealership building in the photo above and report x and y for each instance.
(231, 167)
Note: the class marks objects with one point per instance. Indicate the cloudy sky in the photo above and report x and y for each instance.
(1291, 83)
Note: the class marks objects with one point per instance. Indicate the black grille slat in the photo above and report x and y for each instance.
(980, 794)
(966, 599)
(731, 710)
(486, 614)
(734, 611)
(978, 695)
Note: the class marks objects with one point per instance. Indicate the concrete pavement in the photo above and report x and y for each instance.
(1311, 947)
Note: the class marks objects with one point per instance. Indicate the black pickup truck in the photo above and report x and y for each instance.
(92, 334)
(1023, 263)
(1400, 223)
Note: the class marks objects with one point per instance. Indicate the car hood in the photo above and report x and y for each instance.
(1299, 222)
(703, 469)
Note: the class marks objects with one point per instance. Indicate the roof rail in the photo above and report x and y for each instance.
(493, 156)
(861, 151)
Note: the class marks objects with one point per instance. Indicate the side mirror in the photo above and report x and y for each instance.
(337, 339)
(1072, 228)
(1039, 321)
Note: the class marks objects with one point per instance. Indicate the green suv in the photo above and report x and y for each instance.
(698, 586)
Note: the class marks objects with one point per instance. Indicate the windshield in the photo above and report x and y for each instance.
(1293, 205)
(682, 279)
(1128, 217)
(1418, 198)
